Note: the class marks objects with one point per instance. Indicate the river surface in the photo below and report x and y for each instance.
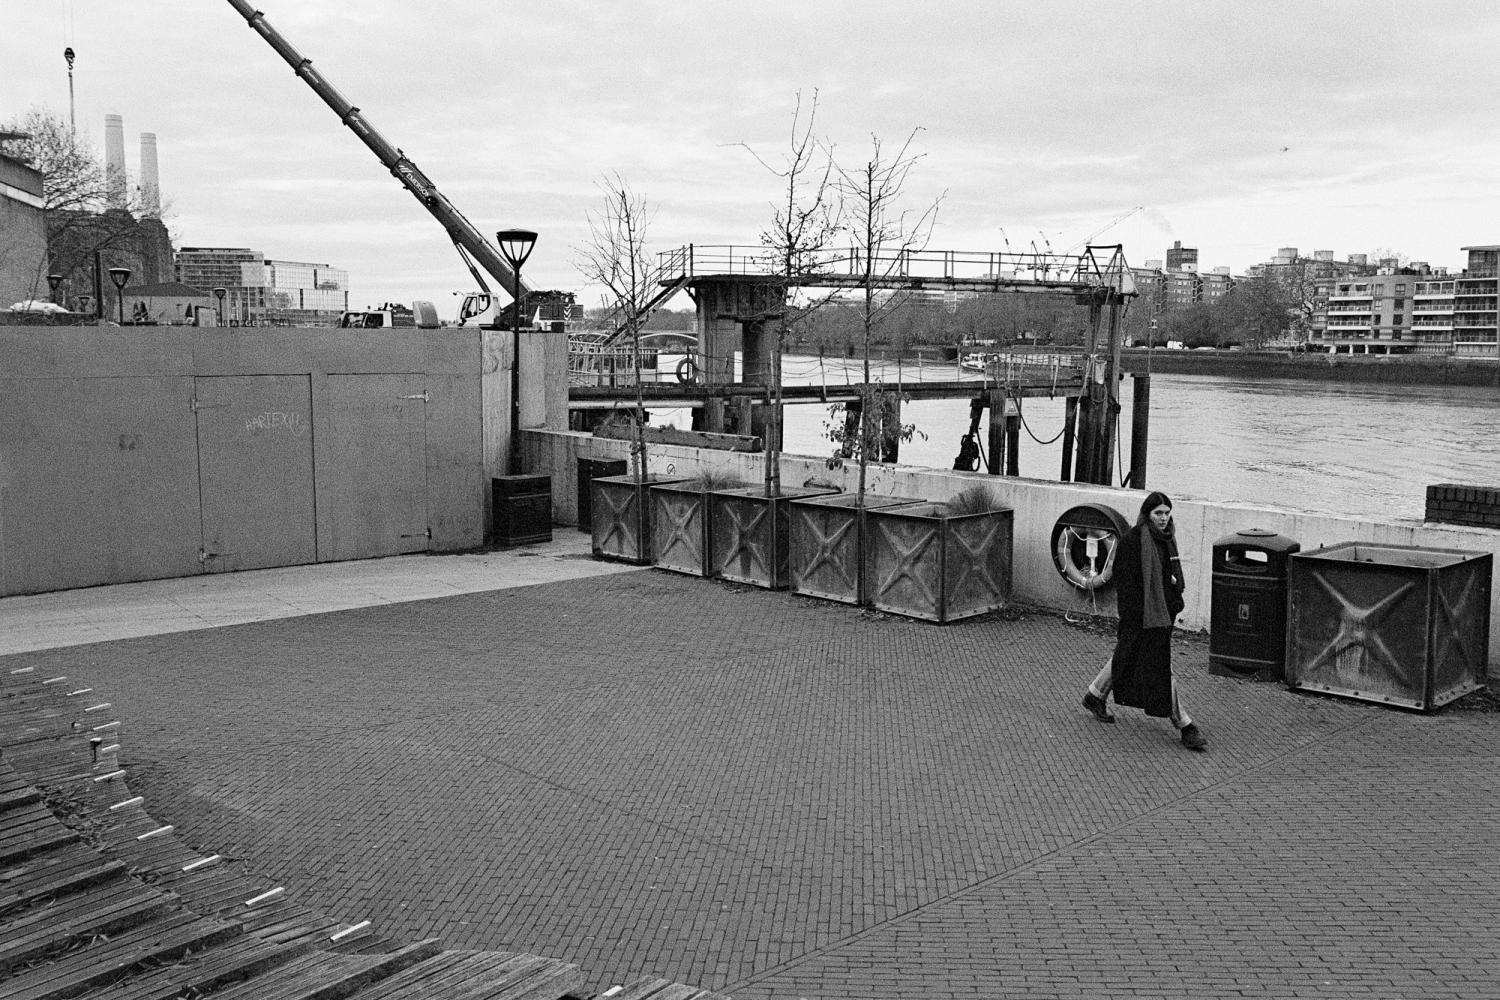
(1359, 450)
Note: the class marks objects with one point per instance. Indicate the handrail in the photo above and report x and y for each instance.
(697, 260)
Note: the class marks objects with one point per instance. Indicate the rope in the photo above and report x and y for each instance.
(1022, 414)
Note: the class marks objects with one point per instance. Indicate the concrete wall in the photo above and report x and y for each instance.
(112, 441)
(1037, 505)
(23, 235)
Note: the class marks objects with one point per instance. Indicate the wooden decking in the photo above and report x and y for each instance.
(99, 900)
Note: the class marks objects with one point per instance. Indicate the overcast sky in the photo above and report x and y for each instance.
(1238, 127)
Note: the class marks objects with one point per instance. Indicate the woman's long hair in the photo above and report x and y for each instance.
(1153, 501)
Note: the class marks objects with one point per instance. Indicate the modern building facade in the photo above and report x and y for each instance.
(259, 291)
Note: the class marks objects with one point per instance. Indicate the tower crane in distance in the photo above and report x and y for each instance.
(1091, 237)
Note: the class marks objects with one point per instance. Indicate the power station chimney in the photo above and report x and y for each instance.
(150, 182)
(114, 161)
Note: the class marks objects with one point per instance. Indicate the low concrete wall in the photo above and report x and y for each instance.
(1037, 505)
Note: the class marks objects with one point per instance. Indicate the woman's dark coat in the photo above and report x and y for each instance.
(1142, 664)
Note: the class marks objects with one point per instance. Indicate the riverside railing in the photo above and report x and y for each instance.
(1101, 266)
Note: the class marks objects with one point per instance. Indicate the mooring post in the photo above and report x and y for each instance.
(851, 428)
(995, 460)
(1140, 406)
(1012, 441)
(890, 433)
(1070, 422)
(1111, 395)
(713, 414)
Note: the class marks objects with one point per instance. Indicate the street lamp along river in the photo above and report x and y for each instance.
(121, 277)
(515, 246)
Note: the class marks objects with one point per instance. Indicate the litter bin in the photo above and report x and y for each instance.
(590, 469)
(522, 509)
(1247, 614)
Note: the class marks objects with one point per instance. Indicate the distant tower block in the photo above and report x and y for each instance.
(114, 161)
(150, 182)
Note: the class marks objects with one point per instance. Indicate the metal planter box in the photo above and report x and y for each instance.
(1397, 624)
(619, 517)
(927, 564)
(748, 536)
(824, 549)
(679, 527)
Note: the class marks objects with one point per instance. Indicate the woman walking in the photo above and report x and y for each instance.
(1148, 590)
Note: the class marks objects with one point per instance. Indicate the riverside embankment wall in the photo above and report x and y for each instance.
(1037, 505)
(1380, 369)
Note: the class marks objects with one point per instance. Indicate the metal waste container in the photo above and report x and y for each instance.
(1247, 615)
(522, 509)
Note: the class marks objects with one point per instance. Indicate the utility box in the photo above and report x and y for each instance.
(1396, 624)
(590, 469)
(1247, 612)
(522, 509)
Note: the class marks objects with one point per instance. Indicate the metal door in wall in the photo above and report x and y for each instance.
(255, 465)
(372, 492)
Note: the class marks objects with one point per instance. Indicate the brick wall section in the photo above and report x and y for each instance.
(1477, 506)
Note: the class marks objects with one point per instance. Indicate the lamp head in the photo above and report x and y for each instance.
(119, 275)
(516, 245)
(53, 280)
(68, 55)
(219, 293)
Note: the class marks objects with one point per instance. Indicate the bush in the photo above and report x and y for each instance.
(709, 480)
(972, 500)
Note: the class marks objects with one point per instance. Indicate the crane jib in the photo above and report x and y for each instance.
(470, 242)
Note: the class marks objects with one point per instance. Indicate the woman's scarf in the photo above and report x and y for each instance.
(1156, 546)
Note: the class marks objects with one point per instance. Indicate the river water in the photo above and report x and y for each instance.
(1367, 451)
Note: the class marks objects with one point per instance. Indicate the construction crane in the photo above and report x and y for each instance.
(471, 244)
(1091, 237)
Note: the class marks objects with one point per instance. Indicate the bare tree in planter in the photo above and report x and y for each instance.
(805, 221)
(615, 257)
(883, 234)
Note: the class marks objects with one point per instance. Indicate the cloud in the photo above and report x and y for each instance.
(1038, 120)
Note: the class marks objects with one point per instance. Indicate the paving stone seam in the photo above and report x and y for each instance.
(622, 809)
(1039, 861)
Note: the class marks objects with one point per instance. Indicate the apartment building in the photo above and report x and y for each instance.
(1179, 283)
(1371, 314)
(1474, 297)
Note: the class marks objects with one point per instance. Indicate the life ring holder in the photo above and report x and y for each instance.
(1085, 540)
(687, 371)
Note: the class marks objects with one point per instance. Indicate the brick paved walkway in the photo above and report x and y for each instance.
(776, 797)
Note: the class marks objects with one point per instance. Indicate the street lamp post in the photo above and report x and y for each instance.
(515, 246)
(219, 294)
(121, 277)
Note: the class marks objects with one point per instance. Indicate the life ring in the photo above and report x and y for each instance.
(1084, 543)
(687, 371)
